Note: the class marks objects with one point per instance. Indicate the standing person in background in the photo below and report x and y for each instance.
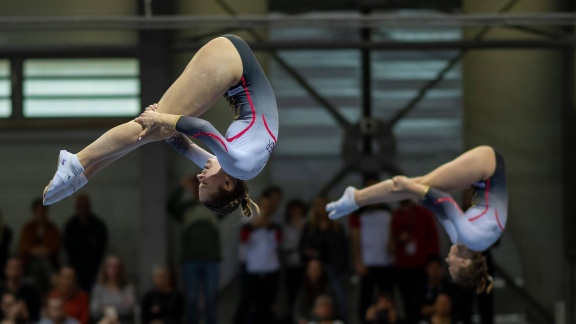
(414, 240)
(23, 291)
(39, 246)
(260, 243)
(294, 218)
(85, 240)
(324, 239)
(75, 301)
(6, 236)
(370, 236)
(113, 294)
(274, 195)
(200, 250)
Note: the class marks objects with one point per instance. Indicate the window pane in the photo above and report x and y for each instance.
(81, 67)
(99, 87)
(5, 109)
(5, 89)
(4, 69)
(81, 107)
(81, 87)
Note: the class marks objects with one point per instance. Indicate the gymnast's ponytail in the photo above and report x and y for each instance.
(226, 201)
(476, 275)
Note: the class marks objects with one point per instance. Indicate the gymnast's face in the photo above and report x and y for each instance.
(457, 258)
(211, 179)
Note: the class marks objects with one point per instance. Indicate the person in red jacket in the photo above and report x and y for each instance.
(76, 301)
(414, 238)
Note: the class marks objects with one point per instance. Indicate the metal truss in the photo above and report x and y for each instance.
(327, 20)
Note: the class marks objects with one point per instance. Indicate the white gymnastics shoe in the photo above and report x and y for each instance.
(343, 206)
(68, 169)
(77, 183)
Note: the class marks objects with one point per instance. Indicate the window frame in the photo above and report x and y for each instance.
(17, 120)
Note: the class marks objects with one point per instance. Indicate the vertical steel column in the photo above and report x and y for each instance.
(568, 167)
(17, 92)
(153, 227)
(366, 34)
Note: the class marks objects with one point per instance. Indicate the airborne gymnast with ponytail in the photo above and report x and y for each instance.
(482, 169)
(224, 66)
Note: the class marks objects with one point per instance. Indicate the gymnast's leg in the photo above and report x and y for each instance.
(474, 165)
(212, 71)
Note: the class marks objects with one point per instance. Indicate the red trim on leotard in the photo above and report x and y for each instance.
(487, 196)
(213, 136)
(268, 129)
(498, 219)
(450, 200)
(253, 112)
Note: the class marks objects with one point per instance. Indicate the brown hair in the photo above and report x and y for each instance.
(103, 277)
(226, 201)
(320, 203)
(475, 275)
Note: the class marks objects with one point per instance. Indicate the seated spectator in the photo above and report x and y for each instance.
(382, 311)
(112, 295)
(324, 312)
(442, 311)
(163, 303)
(315, 284)
(75, 301)
(56, 312)
(13, 310)
(22, 290)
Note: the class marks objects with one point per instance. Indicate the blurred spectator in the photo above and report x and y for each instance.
(274, 195)
(13, 309)
(436, 283)
(85, 240)
(56, 313)
(259, 249)
(414, 239)
(39, 246)
(200, 250)
(15, 284)
(324, 312)
(163, 304)
(295, 219)
(324, 239)
(6, 237)
(112, 296)
(370, 235)
(315, 284)
(382, 311)
(74, 300)
(442, 311)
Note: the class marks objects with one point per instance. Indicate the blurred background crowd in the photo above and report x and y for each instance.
(381, 264)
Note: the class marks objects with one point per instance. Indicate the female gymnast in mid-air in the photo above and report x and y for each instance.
(472, 232)
(224, 66)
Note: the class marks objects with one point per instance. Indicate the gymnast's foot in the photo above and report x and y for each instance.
(76, 183)
(69, 168)
(343, 206)
(404, 184)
